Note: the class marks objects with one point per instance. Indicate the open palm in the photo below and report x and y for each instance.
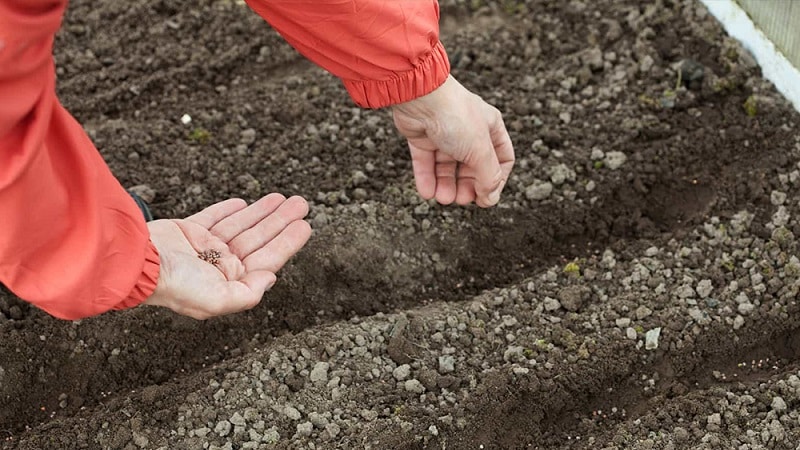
(253, 243)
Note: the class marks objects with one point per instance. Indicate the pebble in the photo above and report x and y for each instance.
(643, 312)
(704, 288)
(319, 374)
(223, 428)
(572, 297)
(551, 304)
(630, 333)
(539, 191)
(292, 413)
(738, 322)
(248, 136)
(651, 338)
(745, 308)
(561, 173)
(614, 160)
(413, 385)
(778, 404)
(401, 372)
(237, 420)
(777, 198)
(623, 322)
(304, 429)
(447, 364)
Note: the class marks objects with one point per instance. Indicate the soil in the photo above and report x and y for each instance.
(635, 288)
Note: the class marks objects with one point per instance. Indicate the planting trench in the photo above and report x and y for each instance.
(379, 255)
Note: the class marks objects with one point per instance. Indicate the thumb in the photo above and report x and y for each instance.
(489, 176)
(494, 163)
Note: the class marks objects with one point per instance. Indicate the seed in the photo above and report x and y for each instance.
(210, 256)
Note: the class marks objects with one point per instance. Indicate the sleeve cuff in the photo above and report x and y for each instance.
(147, 281)
(426, 76)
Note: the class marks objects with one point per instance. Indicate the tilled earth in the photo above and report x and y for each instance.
(636, 288)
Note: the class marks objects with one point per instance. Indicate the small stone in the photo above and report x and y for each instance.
(514, 353)
(551, 304)
(597, 154)
(332, 429)
(186, 119)
(651, 338)
(433, 430)
(140, 440)
(614, 160)
(643, 312)
(539, 191)
(561, 173)
(704, 288)
(223, 428)
(738, 322)
(271, 436)
(630, 333)
(777, 198)
(292, 413)
(573, 297)
(745, 308)
(623, 322)
(447, 364)
(318, 420)
(319, 374)
(248, 136)
(305, 429)
(414, 386)
(402, 372)
(714, 421)
(778, 404)
(237, 420)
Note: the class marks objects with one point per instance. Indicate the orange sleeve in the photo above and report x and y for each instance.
(385, 51)
(72, 241)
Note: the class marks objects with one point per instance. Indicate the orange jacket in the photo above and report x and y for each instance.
(72, 241)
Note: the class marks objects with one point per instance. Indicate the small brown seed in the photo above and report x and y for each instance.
(210, 256)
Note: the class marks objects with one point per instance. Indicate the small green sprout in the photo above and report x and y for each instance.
(200, 135)
(572, 269)
(751, 106)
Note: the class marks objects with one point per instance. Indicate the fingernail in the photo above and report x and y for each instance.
(494, 197)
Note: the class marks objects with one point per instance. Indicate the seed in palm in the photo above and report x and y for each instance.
(210, 256)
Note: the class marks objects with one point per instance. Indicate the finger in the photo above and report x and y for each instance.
(503, 146)
(268, 228)
(446, 180)
(424, 165)
(235, 224)
(466, 190)
(278, 251)
(210, 216)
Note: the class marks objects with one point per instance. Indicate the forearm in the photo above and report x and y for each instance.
(72, 240)
(385, 52)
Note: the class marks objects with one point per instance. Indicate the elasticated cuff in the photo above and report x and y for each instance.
(147, 280)
(424, 78)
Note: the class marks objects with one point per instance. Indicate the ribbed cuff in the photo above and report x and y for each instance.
(423, 79)
(147, 280)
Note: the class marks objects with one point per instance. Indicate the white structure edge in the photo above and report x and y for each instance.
(774, 65)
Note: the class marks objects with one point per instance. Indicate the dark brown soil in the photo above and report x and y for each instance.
(130, 70)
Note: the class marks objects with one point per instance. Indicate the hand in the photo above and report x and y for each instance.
(253, 243)
(460, 149)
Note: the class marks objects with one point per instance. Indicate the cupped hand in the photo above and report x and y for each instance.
(249, 245)
(460, 148)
